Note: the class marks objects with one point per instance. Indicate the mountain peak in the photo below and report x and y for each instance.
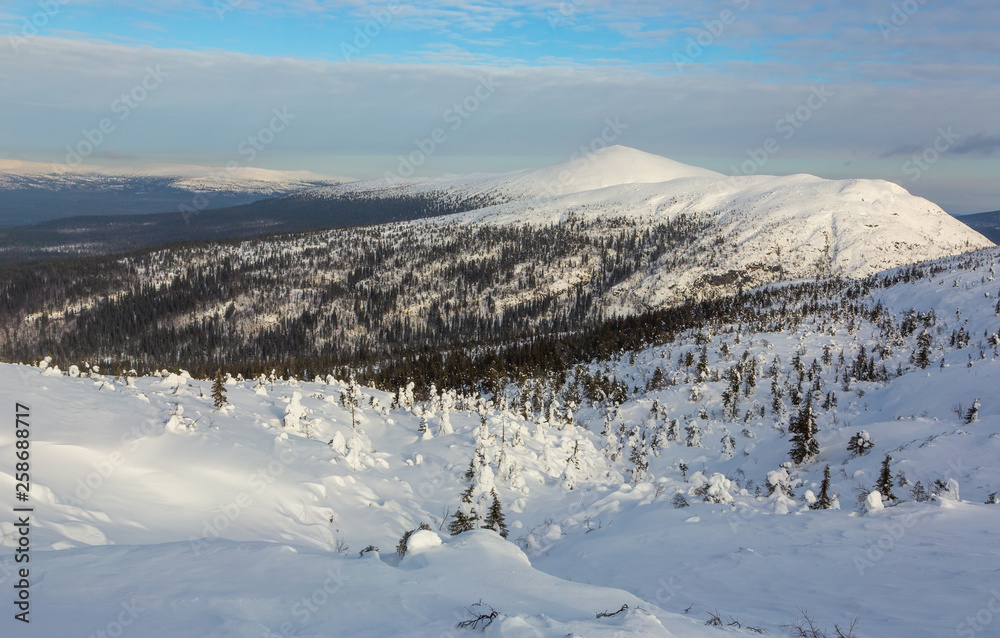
(587, 171)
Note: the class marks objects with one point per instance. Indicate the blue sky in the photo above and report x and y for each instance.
(901, 90)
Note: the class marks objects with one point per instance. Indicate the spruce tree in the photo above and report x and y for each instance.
(825, 500)
(465, 517)
(972, 414)
(884, 483)
(922, 357)
(495, 519)
(219, 391)
(803, 428)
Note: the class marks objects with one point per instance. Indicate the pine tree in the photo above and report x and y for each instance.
(884, 483)
(825, 500)
(219, 391)
(803, 428)
(495, 519)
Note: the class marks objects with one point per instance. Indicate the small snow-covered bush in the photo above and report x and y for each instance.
(860, 444)
(714, 489)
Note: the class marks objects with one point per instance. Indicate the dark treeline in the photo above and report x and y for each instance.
(106, 234)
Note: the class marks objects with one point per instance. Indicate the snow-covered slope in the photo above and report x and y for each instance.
(804, 224)
(798, 226)
(249, 521)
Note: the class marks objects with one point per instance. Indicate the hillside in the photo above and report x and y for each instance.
(505, 270)
(657, 478)
(839, 228)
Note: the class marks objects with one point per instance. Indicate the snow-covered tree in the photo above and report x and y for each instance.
(571, 475)
(295, 412)
(860, 444)
(495, 518)
(640, 462)
(805, 448)
(714, 489)
(779, 481)
(674, 430)
(884, 483)
(825, 500)
(728, 444)
(447, 405)
(693, 435)
(350, 399)
(972, 414)
(465, 517)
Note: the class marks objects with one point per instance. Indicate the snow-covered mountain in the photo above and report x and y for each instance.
(155, 511)
(800, 225)
(31, 192)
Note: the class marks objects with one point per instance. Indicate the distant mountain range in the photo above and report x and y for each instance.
(32, 192)
(988, 224)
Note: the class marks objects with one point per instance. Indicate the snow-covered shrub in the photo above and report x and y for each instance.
(294, 412)
(860, 444)
(714, 489)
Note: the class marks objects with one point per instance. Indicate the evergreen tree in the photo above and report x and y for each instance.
(693, 435)
(350, 399)
(728, 445)
(465, 517)
(640, 464)
(495, 519)
(825, 500)
(860, 444)
(884, 483)
(219, 391)
(972, 414)
(674, 430)
(803, 428)
(919, 493)
(922, 357)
